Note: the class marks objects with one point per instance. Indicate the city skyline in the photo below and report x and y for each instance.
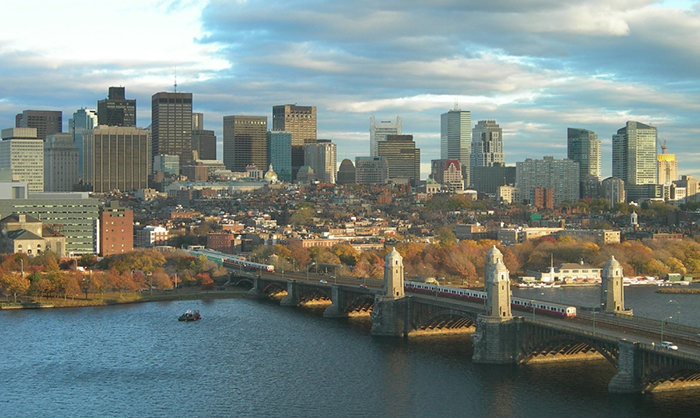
(581, 65)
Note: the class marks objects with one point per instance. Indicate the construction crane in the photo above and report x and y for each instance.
(663, 146)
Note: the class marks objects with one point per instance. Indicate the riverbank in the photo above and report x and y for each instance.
(117, 299)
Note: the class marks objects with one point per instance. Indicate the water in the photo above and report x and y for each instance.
(255, 359)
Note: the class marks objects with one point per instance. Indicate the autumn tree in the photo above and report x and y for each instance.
(14, 284)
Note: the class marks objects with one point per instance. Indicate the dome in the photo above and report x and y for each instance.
(271, 176)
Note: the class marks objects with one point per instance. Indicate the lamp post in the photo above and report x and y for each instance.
(594, 321)
(678, 311)
(533, 308)
(662, 327)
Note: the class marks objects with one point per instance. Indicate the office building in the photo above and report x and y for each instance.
(167, 164)
(634, 160)
(116, 229)
(203, 140)
(171, 125)
(583, 146)
(691, 188)
(60, 163)
(561, 176)
(279, 154)
(447, 173)
(378, 130)
(402, 158)
(371, 170)
(487, 146)
(46, 122)
(321, 157)
(245, 142)
(489, 179)
(667, 167)
(346, 173)
(300, 121)
(117, 158)
(456, 139)
(82, 120)
(116, 109)
(22, 155)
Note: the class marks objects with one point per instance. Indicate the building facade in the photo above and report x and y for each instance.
(279, 154)
(371, 170)
(60, 163)
(634, 159)
(447, 173)
(117, 158)
(245, 142)
(203, 140)
(378, 130)
(300, 121)
(46, 122)
(321, 157)
(487, 146)
(116, 229)
(559, 175)
(667, 169)
(171, 125)
(583, 146)
(346, 172)
(22, 155)
(402, 158)
(116, 109)
(83, 120)
(456, 139)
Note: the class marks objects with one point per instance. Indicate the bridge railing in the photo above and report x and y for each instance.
(645, 325)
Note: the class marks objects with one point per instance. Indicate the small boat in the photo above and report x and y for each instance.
(190, 315)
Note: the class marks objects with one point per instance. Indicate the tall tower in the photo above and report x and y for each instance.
(667, 166)
(456, 138)
(634, 158)
(300, 121)
(379, 130)
(393, 275)
(117, 158)
(245, 142)
(402, 158)
(498, 291)
(60, 163)
(83, 120)
(46, 122)
(321, 157)
(171, 125)
(203, 140)
(612, 291)
(279, 154)
(116, 109)
(22, 155)
(487, 146)
(583, 146)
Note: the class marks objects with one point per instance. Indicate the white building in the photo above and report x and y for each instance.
(378, 130)
(22, 153)
(321, 157)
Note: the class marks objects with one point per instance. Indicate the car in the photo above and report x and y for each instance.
(322, 281)
(669, 345)
(364, 286)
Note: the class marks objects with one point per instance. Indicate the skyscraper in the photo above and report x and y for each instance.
(279, 154)
(203, 140)
(559, 175)
(371, 170)
(117, 158)
(46, 122)
(456, 139)
(487, 146)
(321, 157)
(379, 130)
(402, 158)
(667, 166)
(116, 110)
(245, 142)
(634, 159)
(83, 120)
(300, 121)
(60, 163)
(583, 146)
(171, 125)
(22, 154)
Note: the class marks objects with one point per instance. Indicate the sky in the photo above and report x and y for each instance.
(535, 66)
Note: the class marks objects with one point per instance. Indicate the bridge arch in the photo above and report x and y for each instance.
(442, 319)
(541, 344)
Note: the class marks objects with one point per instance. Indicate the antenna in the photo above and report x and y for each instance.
(175, 80)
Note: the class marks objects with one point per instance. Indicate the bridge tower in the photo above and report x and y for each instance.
(496, 337)
(497, 286)
(612, 293)
(389, 310)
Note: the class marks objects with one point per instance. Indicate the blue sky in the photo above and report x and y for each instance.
(537, 67)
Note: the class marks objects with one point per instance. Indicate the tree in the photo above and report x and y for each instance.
(206, 281)
(15, 284)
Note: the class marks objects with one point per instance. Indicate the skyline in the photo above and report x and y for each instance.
(536, 68)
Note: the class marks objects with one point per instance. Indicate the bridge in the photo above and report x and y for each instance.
(631, 345)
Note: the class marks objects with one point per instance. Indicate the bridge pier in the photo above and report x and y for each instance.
(496, 340)
(256, 292)
(389, 316)
(291, 299)
(337, 308)
(626, 380)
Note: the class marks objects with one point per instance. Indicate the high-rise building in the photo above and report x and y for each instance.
(171, 125)
(667, 167)
(402, 158)
(487, 146)
(245, 142)
(371, 170)
(117, 158)
(22, 155)
(203, 140)
(116, 229)
(60, 163)
(559, 175)
(83, 120)
(168, 164)
(378, 130)
(691, 187)
(448, 173)
(489, 179)
(279, 154)
(321, 157)
(634, 159)
(583, 146)
(613, 190)
(456, 139)
(346, 172)
(300, 121)
(46, 122)
(116, 109)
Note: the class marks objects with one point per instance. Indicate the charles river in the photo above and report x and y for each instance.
(250, 358)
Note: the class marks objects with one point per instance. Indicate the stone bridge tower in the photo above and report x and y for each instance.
(389, 310)
(612, 291)
(497, 286)
(393, 275)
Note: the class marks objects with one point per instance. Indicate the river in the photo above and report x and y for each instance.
(250, 358)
